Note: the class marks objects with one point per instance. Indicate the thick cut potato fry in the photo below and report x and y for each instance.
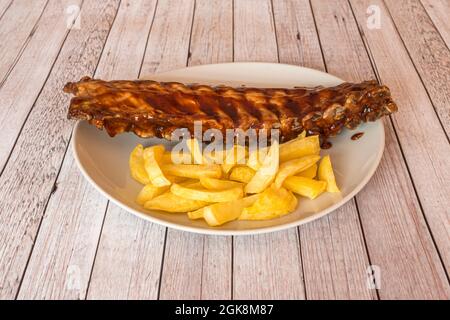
(305, 187)
(196, 152)
(219, 213)
(256, 158)
(193, 171)
(152, 157)
(172, 203)
(233, 157)
(207, 195)
(292, 167)
(137, 168)
(246, 202)
(326, 174)
(197, 214)
(302, 135)
(175, 179)
(148, 192)
(266, 174)
(311, 172)
(176, 158)
(242, 174)
(218, 184)
(272, 203)
(299, 147)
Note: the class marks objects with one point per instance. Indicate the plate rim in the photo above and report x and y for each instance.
(223, 232)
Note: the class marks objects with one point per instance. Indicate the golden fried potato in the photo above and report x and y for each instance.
(196, 153)
(219, 213)
(176, 158)
(266, 174)
(218, 184)
(305, 187)
(271, 203)
(194, 215)
(193, 171)
(170, 202)
(148, 192)
(207, 195)
(137, 168)
(311, 172)
(242, 174)
(299, 147)
(326, 174)
(256, 158)
(152, 157)
(294, 166)
(234, 156)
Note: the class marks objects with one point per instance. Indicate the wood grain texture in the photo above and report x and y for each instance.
(129, 253)
(4, 6)
(30, 73)
(438, 11)
(256, 270)
(427, 50)
(333, 252)
(382, 204)
(127, 265)
(254, 31)
(16, 30)
(198, 266)
(30, 174)
(429, 168)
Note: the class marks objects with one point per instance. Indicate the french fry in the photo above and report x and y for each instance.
(311, 172)
(136, 163)
(207, 195)
(176, 158)
(256, 158)
(148, 192)
(220, 213)
(196, 153)
(294, 166)
(242, 174)
(234, 156)
(299, 147)
(193, 171)
(218, 184)
(326, 174)
(266, 174)
(152, 156)
(196, 214)
(170, 202)
(271, 203)
(305, 187)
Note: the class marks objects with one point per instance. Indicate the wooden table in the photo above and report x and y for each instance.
(59, 238)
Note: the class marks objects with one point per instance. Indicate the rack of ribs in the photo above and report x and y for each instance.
(155, 109)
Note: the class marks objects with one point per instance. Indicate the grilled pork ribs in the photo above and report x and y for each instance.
(154, 109)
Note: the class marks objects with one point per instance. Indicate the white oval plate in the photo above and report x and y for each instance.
(104, 160)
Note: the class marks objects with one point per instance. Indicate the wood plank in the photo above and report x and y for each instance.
(4, 6)
(254, 31)
(438, 11)
(198, 266)
(16, 30)
(128, 31)
(391, 216)
(429, 168)
(129, 256)
(256, 269)
(428, 52)
(30, 174)
(129, 248)
(30, 73)
(333, 252)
